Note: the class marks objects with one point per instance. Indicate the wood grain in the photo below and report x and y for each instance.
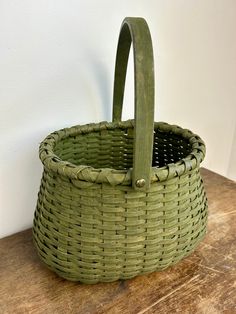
(205, 282)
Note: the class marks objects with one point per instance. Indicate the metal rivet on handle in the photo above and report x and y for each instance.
(140, 183)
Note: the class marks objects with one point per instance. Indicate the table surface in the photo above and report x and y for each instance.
(204, 282)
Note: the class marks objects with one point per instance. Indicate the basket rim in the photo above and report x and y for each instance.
(112, 176)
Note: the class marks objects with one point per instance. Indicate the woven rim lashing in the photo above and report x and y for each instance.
(102, 152)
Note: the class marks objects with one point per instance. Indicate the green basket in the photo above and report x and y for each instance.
(119, 199)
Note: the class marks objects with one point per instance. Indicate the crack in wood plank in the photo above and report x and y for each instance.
(206, 267)
(169, 294)
(223, 214)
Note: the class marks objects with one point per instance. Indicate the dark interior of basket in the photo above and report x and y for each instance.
(114, 148)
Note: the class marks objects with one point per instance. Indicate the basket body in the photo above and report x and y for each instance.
(92, 226)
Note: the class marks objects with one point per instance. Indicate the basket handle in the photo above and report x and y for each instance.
(136, 30)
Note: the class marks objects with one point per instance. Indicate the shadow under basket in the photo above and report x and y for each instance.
(123, 198)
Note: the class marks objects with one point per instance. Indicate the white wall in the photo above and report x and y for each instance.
(57, 62)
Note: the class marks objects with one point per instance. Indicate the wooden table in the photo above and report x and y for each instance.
(205, 282)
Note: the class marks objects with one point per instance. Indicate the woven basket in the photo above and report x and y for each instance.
(119, 199)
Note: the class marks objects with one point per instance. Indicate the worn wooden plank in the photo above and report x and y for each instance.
(205, 282)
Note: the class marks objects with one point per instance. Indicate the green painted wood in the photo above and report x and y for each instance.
(136, 31)
(90, 224)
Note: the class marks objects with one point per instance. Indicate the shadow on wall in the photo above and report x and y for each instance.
(21, 174)
(232, 160)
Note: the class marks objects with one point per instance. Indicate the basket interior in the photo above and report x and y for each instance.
(114, 148)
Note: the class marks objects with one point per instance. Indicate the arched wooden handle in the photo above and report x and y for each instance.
(135, 30)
